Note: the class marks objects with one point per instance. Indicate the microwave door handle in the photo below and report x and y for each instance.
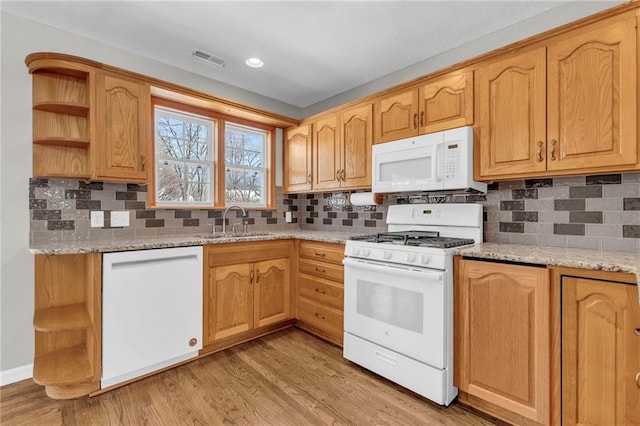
(436, 163)
(403, 271)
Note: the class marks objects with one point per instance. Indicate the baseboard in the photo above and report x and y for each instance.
(16, 374)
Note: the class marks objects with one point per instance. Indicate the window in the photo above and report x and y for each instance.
(184, 153)
(245, 165)
(204, 159)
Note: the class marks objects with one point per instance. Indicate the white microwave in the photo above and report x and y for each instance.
(441, 161)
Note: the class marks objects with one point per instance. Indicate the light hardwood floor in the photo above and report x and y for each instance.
(287, 378)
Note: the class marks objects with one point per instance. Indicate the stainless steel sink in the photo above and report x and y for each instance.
(218, 235)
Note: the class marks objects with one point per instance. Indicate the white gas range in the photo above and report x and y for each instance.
(398, 307)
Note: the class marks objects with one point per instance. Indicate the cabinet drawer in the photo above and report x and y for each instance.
(325, 252)
(322, 269)
(327, 320)
(322, 291)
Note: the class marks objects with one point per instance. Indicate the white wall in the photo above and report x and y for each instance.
(21, 37)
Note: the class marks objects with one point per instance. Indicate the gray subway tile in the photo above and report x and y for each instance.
(77, 194)
(131, 196)
(630, 231)
(631, 204)
(538, 183)
(602, 204)
(631, 177)
(621, 244)
(604, 179)
(46, 215)
(525, 216)
(594, 243)
(585, 191)
(568, 228)
(622, 190)
(585, 217)
(512, 227)
(60, 225)
(154, 223)
(552, 240)
(134, 187)
(603, 230)
(135, 205)
(35, 204)
(88, 204)
(98, 186)
(512, 205)
(565, 205)
(569, 181)
(529, 193)
(190, 222)
(182, 214)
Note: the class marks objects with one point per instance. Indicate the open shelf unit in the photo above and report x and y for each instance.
(67, 321)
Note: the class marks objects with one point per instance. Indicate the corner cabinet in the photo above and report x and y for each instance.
(88, 123)
(568, 107)
(122, 136)
(600, 352)
(502, 339)
(68, 323)
(247, 291)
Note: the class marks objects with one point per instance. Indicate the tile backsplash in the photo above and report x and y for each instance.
(598, 211)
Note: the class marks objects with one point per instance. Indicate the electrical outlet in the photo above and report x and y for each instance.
(119, 219)
(97, 219)
(288, 217)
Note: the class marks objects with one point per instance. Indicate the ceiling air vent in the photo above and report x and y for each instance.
(209, 59)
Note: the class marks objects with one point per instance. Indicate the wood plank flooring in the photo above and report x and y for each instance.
(287, 378)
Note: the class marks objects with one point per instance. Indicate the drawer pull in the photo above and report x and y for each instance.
(540, 159)
(321, 291)
(322, 317)
(321, 254)
(638, 380)
(553, 149)
(637, 331)
(322, 271)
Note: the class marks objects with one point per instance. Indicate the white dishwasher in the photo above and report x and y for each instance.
(151, 311)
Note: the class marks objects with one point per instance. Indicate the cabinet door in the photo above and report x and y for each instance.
(396, 116)
(272, 291)
(592, 105)
(447, 102)
(326, 154)
(123, 130)
(297, 151)
(512, 110)
(230, 301)
(600, 353)
(503, 355)
(357, 138)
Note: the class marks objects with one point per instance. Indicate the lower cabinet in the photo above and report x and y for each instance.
(600, 352)
(247, 289)
(502, 339)
(320, 289)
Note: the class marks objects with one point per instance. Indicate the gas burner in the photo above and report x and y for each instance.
(441, 242)
(414, 238)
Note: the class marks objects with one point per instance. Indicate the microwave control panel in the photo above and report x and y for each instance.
(452, 160)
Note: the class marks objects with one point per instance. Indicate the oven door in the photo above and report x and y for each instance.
(400, 308)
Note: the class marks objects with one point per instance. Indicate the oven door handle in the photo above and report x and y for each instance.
(404, 271)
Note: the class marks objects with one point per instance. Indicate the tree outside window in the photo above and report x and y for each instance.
(245, 151)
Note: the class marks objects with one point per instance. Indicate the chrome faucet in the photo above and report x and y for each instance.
(224, 218)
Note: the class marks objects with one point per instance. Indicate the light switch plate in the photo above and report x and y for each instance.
(119, 219)
(288, 217)
(97, 219)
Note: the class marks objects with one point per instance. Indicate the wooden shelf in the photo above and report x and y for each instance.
(62, 318)
(63, 367)
(60, 141)
(70, 108)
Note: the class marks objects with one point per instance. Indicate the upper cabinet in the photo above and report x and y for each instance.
(336, 156)
(297, 159)
(436, 104)
(122, 134)
(569, 107)
(88, 124)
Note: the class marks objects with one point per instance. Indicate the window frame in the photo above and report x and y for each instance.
(218, 161)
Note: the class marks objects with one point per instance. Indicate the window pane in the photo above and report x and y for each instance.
(244, 146)
(184, 152)
(245, 187)
(183, 183)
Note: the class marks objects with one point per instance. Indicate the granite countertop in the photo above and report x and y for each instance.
(613, 261)
(78, 247)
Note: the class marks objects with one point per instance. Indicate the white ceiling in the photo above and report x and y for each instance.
(312, 50)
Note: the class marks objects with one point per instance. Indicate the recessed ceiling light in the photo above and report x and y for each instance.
(254, 63)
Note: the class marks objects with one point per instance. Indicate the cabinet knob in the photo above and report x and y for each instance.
(637, 331)
(321, 291)
(318, 315)
(143, 163)
(193, 341)
(320, 254)
(322, 271)
(540, 159)
(553, 149)
(638, 380)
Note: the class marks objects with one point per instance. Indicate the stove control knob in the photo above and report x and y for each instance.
(386, 255)
(366, 252)
(355, 251)
(425, 259)
(411, 258)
